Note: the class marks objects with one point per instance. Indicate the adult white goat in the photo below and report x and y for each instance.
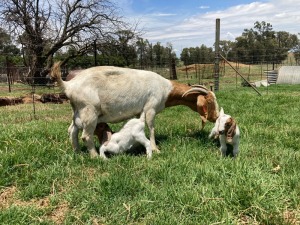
(107, 94)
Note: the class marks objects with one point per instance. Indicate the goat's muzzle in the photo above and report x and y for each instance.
(221, 132)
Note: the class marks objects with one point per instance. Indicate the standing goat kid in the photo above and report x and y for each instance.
(228, 133)
(107, 94)
(130, 134)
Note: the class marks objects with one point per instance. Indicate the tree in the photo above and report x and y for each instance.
(45, 26)
(145, 54)
(261, 43)
(226, 47)
(296, 50)
(126, 49)
(170, 57)
(158, 54)
(185, 56)
(8, 51)
(200, 54)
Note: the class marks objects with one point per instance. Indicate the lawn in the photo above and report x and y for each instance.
(43, 182)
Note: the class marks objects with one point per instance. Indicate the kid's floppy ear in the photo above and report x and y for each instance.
(230, 126)
(202, 109)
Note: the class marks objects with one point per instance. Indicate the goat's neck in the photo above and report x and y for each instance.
(175, 96)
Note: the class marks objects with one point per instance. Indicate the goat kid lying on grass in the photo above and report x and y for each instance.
(130, 134)
(107, 94)
(228, 133)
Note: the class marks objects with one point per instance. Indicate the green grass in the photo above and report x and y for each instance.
(43, 182)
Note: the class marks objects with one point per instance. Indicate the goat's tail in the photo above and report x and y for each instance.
(56, 74)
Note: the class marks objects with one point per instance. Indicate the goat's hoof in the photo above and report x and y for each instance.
(93, 154)
(156, 150)
(104, 158)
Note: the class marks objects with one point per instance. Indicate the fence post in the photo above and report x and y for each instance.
(217, 59)
(173, 75)
(8, 71)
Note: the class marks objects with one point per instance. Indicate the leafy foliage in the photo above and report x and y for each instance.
(262, 44)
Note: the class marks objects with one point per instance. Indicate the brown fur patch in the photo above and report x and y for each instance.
(103, 133)
(230, 127)
(198, 102)
(212, 111)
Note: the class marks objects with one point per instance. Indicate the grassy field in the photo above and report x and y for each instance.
(43, 182)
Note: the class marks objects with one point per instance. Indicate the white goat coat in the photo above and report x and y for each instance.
(131, 134)
(118, 93)
(111, 94)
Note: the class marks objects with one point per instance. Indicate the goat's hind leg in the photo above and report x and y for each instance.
(223, 147)
(146, 143)
(73, 131)
(89, 123)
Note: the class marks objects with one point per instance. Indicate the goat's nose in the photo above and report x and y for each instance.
(221, 132)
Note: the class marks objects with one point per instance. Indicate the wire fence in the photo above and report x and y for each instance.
(16, 86)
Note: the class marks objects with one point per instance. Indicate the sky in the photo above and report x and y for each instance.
(191, 23)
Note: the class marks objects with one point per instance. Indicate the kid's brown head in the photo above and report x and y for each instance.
(103, 133)
(227, 126)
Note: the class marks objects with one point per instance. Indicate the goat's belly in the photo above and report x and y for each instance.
(117, 116)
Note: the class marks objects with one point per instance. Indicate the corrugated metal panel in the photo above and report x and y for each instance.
(288, 75)
(272, 76)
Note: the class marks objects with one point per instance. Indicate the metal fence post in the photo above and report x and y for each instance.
(217, 58)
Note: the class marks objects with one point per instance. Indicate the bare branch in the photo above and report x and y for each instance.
(46, 26)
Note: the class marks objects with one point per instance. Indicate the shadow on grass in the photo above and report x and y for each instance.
(136, 150)
(200, 136)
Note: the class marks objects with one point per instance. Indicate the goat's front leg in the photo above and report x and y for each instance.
(223, 147)
(212, 133)
(235, 149)
(150, 123)
(102, 151)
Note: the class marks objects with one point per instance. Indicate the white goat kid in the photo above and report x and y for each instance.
(228, 132)
(131, 134)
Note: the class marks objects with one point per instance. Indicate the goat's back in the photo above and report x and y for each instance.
(119, 93)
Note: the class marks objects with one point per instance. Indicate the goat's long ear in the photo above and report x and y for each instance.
(202, 109)
(231, 126)
(212, 107)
